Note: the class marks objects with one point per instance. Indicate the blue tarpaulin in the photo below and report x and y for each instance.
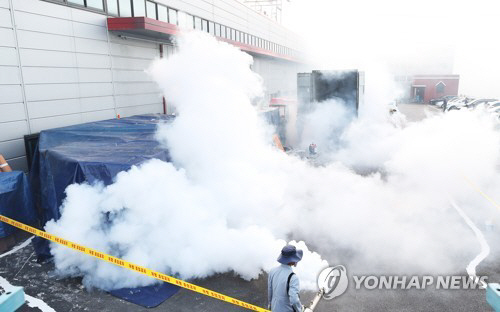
(92, 152)
(15, 200)
(149, 296)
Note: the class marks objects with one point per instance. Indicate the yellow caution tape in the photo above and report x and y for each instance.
(474, 186)
(131, 266)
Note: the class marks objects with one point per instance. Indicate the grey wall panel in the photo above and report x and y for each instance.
(88, 31)
(97, 103)
(88, 17)
(142, 109)
(30, 57)
(98, 115)
(18, 164)
(93, 60)
(11, 112)
(40, 109)
(12, 149)
(13, 130)
(37, 6)
(9, 75)
(34, 75)
(10, 94)
(96, 89)
(5, 20)
(41, 23)
(130, 63)
(94, 75)
(34, 40)
(40, 124)
(137, 99)
(4, 4)
(43, 92)
(7, 37)
(91, 46)
(8, 56)
(123, 88)
(134, 51)
(130, 76)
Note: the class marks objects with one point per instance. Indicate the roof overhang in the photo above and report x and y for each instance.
(142, 27)
(148, 28)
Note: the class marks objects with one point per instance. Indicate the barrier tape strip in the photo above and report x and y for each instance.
(131, 266)
(474, 186)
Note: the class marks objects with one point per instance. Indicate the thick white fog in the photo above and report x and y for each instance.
(230, 200)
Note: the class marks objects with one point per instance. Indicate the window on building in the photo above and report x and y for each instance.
(440, 87)
(125, 8)
(151, 9)
(217, 30)
(80, 2)
(237, 33)
(211, 28)
(223, 31)
(162, 13)
(112, 6)
(184, 19)
(197, 23)
(139, 7)
(204, 25)
(233, 34)
(172, 16)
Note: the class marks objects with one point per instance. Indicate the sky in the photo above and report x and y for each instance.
(414, 37)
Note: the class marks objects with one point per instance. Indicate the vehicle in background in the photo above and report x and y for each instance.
(493, 105)
(440, 100)
(454, 104)
(477, 102)
(495, 110)
(468, 104)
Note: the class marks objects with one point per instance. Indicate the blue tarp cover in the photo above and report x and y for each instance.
(91, 152)
(149, 296)
(15, 200)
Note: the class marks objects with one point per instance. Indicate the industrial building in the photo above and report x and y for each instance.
(65, 62)
(423, 88)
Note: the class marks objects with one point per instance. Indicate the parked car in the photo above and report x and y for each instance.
(477, 102)
(493, 105)
(441, 99)
(457, 103)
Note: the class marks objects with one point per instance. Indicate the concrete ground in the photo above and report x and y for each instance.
(20, 268)
(417, 112)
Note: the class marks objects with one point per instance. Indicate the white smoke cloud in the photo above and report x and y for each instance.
(230, 200)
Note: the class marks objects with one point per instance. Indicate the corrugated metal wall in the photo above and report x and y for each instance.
(59, 66)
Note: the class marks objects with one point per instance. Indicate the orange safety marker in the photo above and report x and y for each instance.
(4, 166)
(277, 142)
